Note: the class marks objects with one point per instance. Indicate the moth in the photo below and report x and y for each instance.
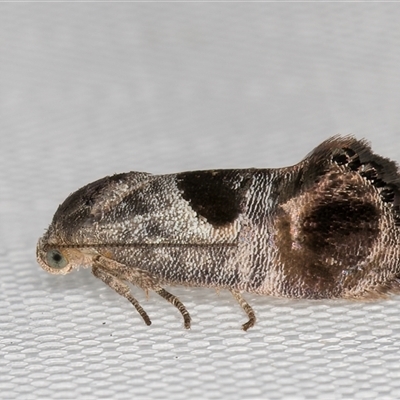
(327, 227)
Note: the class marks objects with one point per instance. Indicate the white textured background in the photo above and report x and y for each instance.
(87, 90)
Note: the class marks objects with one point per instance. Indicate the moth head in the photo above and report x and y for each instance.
(60, 260)
(52, 259)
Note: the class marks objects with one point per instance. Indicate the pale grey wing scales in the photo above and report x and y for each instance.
(196, 208)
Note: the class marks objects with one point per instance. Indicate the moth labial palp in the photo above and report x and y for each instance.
(327, 227)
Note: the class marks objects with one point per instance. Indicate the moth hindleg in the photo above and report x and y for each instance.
(247, 309)
(177, 303)
(121, 288)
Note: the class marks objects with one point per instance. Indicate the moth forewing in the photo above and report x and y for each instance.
(327, 227)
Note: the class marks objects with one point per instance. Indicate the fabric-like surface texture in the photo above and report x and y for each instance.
(91, 89)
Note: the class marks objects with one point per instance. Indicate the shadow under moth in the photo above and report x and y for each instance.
(327, 227)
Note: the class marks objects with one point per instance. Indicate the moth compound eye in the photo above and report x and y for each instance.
(55, 259)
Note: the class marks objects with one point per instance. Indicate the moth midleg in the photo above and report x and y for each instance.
(121, 288)
(177, 303)
(247, 309)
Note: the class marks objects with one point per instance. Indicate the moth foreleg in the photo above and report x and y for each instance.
(177, 303)
(247, 309)
(121, 288)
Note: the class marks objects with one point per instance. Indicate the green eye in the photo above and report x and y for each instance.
(55, 259)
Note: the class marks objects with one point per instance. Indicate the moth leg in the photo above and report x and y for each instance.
(122, 289)
(177, 303)
(247, 309)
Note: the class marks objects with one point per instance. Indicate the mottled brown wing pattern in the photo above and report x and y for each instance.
(327, 227)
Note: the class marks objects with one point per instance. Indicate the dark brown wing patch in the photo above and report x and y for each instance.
(339, 220)
(218, 196)
(328, 230)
